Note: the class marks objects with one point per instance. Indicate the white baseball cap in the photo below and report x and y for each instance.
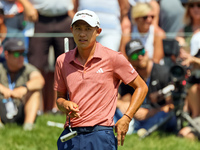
(88, 16)
(195, 44)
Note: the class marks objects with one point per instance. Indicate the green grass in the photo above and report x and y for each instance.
(44, 137)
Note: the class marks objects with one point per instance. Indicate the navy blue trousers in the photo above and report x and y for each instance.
(96, 140)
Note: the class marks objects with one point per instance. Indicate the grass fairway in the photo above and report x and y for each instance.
(44, 137)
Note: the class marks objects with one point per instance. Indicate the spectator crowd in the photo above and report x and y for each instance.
(135, 28)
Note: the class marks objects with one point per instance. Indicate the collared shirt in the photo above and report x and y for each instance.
(94, 87)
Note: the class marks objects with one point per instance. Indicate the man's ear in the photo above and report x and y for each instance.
(99, 31)
(71, 28)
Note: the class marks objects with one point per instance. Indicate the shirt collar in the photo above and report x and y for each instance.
(97, 53)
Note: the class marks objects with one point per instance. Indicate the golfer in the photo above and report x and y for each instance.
(86, 81)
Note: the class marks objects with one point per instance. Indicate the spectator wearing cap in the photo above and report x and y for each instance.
(153, 3)
(155, 106)
(21, 84)
(151, 36)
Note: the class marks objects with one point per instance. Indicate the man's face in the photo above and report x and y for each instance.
(144, 22)
(15, 60)
(84, 34)
(139, 59)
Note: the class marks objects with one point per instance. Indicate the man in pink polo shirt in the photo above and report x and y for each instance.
(86, 81)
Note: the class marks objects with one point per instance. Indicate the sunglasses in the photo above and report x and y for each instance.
(193, 5)
(135, 55)
(18, 54)
(145, 17)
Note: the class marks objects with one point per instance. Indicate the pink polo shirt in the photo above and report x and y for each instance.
(94, 87)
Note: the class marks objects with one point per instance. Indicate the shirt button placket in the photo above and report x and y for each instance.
(84, 72)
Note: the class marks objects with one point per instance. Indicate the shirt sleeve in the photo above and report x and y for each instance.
(59, 82)
(30, 68)
(123, 70)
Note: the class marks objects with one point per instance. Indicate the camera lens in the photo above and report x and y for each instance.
(177, 73)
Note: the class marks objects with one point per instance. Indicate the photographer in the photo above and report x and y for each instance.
(192, 102)
(156, 105)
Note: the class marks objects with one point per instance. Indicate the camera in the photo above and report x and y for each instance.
(171, 51)
(178, 74)
(171, 47)
(178, 78)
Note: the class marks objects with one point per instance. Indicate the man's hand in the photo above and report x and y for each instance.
(121, 128)
(72, 110)
(66, 106)
(166, 108)
(19, 92)
(6, 92)
(30, 13)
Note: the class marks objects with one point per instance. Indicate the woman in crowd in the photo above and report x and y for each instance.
(192, 23)
(142, 28)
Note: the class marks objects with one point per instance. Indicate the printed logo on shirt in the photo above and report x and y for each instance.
(132, 68)
(100, 70)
